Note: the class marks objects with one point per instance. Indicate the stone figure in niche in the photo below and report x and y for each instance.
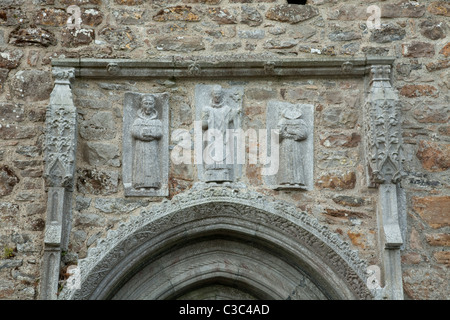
(217, 117)
(145, 144)
(292, 130)
(147, 131)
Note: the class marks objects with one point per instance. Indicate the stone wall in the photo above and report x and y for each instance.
(34, 32)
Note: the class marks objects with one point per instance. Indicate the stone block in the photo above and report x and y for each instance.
(121, 38)
(99, 154)
(101, 126)
(251, 16)
(433, 156)
(340, 140)
(177, 13)
(433, 210)
(432, 30)
(51, 17)
(71, 38)
(337, 180)
(12, 16)
(96, 182)
(8, 180)
(291, 13)
(445, 50)
(441, 8)
(418, 50)
(221, 16)
(10, 59)
(180, 43)
(118, 205)
(418, 90)
(387, 33)
(11, 112)
(31, 85)
(32, 36)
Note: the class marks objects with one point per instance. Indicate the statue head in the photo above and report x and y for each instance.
(148, 105)
(217, 96)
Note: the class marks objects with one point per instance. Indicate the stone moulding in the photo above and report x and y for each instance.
(172, 68)
(99, 270)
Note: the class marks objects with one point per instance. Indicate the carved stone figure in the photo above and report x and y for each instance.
(294, 124)
(147, 131)
(219, 113)
(292, 130)
(145, 144)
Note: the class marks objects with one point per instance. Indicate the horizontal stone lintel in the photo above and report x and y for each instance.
(170, 68)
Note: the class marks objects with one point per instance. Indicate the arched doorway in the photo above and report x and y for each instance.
(221, 243)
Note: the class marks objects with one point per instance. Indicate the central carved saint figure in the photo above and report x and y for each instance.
(216, 119)
(147, 131)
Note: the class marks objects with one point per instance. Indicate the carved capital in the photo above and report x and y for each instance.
(383, 129)
(63, 75)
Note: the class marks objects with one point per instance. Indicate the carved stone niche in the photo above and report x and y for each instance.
(290, 130)
(218, 122)
(146, 144)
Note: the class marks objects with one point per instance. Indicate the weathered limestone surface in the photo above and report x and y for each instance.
(191, 32)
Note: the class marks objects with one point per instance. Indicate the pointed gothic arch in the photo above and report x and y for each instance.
(221, 241)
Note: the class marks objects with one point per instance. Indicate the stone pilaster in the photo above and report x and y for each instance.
(60, 148)
(383, 152)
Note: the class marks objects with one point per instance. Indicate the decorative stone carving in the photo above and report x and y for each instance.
(209, 208)
(61, 132)
(194, 69)
(384, 159)
(295, 126)
(145, 144)
(60, 150)
(218, 110)
(383, 129)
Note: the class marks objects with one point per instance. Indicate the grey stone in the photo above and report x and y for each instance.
(29, 151)
(10, 263)
(291, 13)
(344, 35)
(433, 30)
(8, 180)
(32, 36)
(251, 34)
(387, 33)
(145, 152)
(99, 154)
(23, 85)
(251, 16)
(121, 38)
(82, 203)
(96, 182)
(101, 126)
(87, 220)
(180, 43)
(11, 112)
(118, 205)
(219, 47)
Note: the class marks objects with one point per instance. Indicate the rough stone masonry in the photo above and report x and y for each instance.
(33, 33)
